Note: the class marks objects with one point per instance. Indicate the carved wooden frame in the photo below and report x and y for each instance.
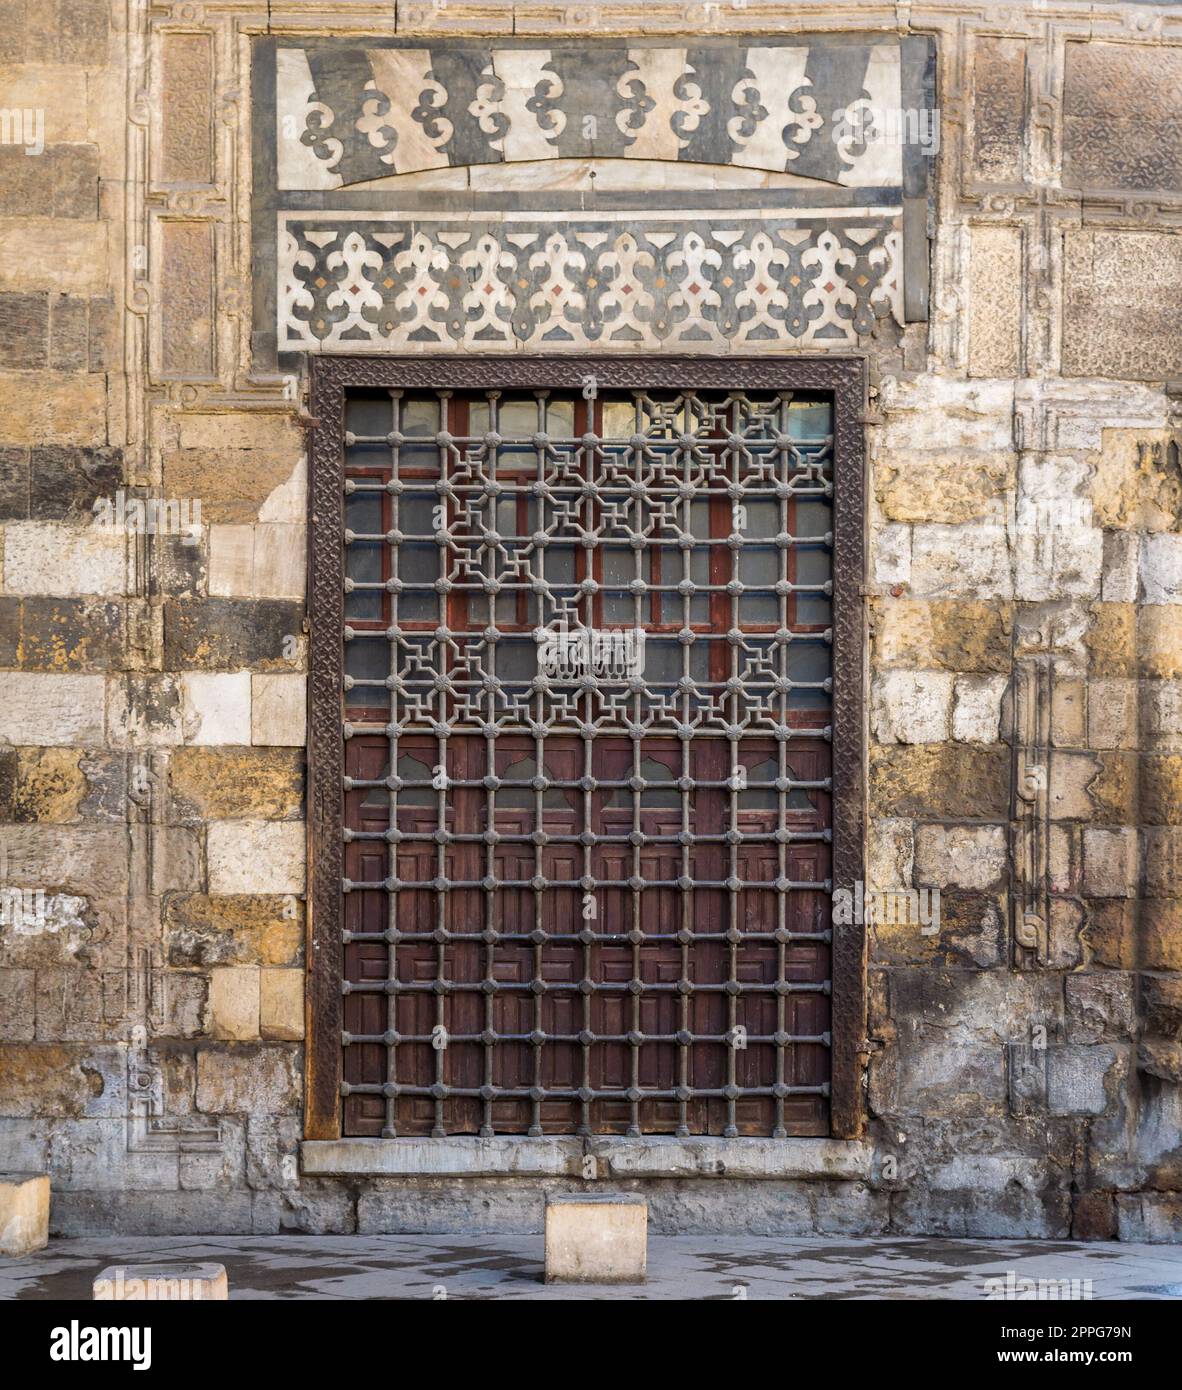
(842, 376)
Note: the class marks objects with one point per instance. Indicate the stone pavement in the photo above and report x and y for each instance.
(690, 1267)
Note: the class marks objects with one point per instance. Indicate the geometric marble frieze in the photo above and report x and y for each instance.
(525, 282)
(348, 111)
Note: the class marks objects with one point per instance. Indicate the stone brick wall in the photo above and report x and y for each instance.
(1024, 612)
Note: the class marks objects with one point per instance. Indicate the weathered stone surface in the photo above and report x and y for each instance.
(1152, 1217)
(48, 407)
(970, 562)
(45, 557)
(1161, 1006)
(234, 930)
(1161, 934)
(946, 780)
(278, 710)
(236, 784)
(44, 710)
(999, 108)
(59, 1079)
(1100, 1007)
(1159, 641)
(229, 634)
(1112, 933)
(947, 488)
(247, 1079)
(281, 1004)
(215, 707)
(1122, 297)
(911, 707)
(1111, 863)
(1118, 130)
(995, 301)
(1136, 481)
(977, 707)
(1076, 1079)
(69, 634)
(24, 1213)
(596, 1240)
(947, 634)
(1163, 861)
(960, 856)
(1112, 714)
(256, 856)
(234, 1003)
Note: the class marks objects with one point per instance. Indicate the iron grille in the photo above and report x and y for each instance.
(587, 792)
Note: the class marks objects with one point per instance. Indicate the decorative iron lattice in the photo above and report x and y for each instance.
(587, 792)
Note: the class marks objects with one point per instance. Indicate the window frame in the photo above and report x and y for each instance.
(844, 378)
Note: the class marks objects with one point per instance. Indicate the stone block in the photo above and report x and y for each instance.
(995, 301)
(946, 780)
(960, 856)
(971, 562)
(1075, 1079)
(278, 710)
(1162, 707)
(1113, 713)
(58, 558)
(235, 929)
(1161, 1005)
(247, 1079)
(1111, 638)
(911, 706)
(43, 253)
(892, 555)
(1161, 933)
(1163, 861)
(234, 1003)
(1069, 704)
(236, 783)
(949, 634)
(948, 488)
(1161, 569)
(49, 407)
(281, 1004)
(596, 1239)
(976, 710)
(44, 710)
(890, 853)
(146, 711)
(1123, 292)
(248, 856)
(1111, 933)
(1161, 789)
(24, 1213)
(1150, 1217)
(1159, 641)
(176, 1283)
(216, 707)
(225, 634)
(1111, 863)
(1100, 1007)
(231, 561)
(1133, 487)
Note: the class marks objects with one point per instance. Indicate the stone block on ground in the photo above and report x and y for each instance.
(24, 1213)
(596, 1240)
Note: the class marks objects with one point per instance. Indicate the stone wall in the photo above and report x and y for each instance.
(1024, 609)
